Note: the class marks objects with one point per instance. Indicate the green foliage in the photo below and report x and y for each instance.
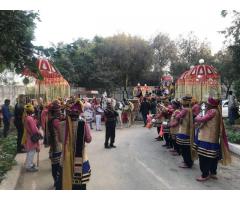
(234, 136)
(7, 154)
(232, 34)
(103, 62)
(165, 51)
(237, 89)
(16, 35)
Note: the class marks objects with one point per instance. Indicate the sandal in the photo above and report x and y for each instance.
(201, 179)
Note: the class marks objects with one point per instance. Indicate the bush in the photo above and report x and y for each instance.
(8, 152)
(234, 136)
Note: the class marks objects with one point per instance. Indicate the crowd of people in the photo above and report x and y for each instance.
(191, 132)
(65, 126)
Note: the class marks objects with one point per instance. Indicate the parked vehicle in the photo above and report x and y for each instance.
(225, 108)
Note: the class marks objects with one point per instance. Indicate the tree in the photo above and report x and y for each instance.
(165, 51)
(232, 34)
(16, 35)
(189, 51)
(129, 57)
(225, 66)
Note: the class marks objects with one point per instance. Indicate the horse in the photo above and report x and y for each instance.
(128, 108)
(119, 109)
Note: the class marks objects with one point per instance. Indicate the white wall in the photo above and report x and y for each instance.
(10, 92)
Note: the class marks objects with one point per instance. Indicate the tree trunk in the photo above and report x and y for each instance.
(228, 88)
(126, 84)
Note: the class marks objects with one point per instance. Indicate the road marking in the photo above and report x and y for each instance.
(154, 174)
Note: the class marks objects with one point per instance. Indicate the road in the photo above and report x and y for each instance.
(138, 163)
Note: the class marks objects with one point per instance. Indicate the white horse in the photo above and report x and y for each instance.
(119, 109)
(128, 109)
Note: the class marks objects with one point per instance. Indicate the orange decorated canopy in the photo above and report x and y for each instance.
(53, 84)
(201, 81)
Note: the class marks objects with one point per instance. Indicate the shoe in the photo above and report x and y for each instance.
(164, 145)
(113, 146)
(172, 151)
(32, 169)
(107, 147)
(175, 154)
(201, 179)
(214, 176)
(183, 166)
(168, 147)
(158, 138)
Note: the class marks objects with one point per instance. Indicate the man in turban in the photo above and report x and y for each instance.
(211, 141)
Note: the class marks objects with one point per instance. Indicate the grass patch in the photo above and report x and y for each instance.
(8, 152)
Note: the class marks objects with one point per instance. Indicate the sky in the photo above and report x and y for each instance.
(67, 20)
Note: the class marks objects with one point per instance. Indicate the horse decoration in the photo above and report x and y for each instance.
(128, 108)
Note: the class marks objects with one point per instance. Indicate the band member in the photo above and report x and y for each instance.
(174, 126)
(110, 122)
(158, 122)
(139, 91)
(76, 167)
(166, 112)
(185, 132)
(210, 150)
(53, 126)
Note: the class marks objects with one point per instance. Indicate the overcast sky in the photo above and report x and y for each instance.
(70, 19)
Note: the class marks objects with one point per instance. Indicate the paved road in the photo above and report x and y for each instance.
(138, 162)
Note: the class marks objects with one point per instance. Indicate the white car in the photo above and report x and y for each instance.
(225, 108)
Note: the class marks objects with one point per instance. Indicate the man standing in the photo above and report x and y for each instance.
(185, 131)
(232, 108)
(55, 151)
(174, 126)
(6, 117)
(144, 109)
(76, 170)
(110, 122)
(18, 122)
(211, 130)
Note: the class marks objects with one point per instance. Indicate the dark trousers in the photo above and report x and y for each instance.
(176, 146)
(231, 116)
(57, 176)
(6, 128)
(167, 139)
(110, 133)
(208, 165)
(144, 118)
(20, 128)
(186, 154)
(79, 187)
